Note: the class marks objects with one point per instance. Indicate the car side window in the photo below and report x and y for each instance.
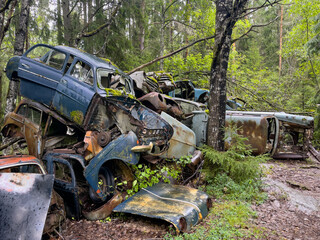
(62, 172)
(83, 72)
(22, 110)
(34, 115)
(56, 60)
(48, 56)
(30, 168)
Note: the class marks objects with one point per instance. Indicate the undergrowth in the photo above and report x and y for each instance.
(233, 179)
(148, 175)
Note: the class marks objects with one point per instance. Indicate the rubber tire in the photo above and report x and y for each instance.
(108, 186)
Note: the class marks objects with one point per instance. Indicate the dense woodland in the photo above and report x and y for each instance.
(266, 52)
(274, 58)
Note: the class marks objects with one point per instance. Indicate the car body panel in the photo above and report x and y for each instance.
(25, 196)
(290, 119)
(262, 132)
(56, 87)
(65, 186)
(183, 141)
(160, 102)
(119, 149)
(24, 203)
(182, 206)
(12, 161)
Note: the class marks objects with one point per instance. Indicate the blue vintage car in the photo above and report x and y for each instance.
(66, 78)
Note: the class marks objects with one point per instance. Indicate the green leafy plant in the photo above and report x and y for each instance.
(237, 162)
(148, 175)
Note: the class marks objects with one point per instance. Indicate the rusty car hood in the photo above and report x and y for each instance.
(182, 206)
(24, 203)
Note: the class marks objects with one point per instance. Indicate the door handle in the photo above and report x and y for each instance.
(25, 65)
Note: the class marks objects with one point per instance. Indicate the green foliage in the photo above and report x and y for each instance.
(237, 162)
(226, 220)
(234, 180)
(223, 186)
(148, 175)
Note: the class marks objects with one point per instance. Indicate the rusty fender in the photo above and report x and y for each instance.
(181, 206)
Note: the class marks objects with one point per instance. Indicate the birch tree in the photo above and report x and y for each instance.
(20, 39)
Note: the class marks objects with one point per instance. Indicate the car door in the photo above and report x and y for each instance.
(65, 184)
(40, 70)
(32, 129)
(75, 91)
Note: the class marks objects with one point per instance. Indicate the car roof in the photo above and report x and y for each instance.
(18, 160)
(94, 60)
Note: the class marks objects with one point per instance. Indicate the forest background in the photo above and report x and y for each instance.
(274, 64)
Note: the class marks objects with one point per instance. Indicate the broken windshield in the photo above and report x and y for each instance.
(107, 78)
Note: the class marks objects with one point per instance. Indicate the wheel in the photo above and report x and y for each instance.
(106, 184)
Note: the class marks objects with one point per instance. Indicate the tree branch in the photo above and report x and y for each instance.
(170, 54)
(97, 30)
(6, 26)
(6, 6)
(169, 6)
(251, 29)
(254, 95)
(173, 20)
(91, 17)
(74, 5)
(252, 10)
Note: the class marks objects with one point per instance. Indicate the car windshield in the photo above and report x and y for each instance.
(107, 78)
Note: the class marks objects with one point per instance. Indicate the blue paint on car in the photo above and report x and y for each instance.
(65, 78)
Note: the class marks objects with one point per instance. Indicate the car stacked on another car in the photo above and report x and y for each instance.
(81, 118)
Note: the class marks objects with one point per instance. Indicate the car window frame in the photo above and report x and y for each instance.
(25, 55)
(75, 60)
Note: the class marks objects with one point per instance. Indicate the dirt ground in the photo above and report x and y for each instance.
(292, 210)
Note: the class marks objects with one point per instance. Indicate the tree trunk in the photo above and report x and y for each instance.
(66, 22)
(227, 14)
(1, 37)
(162, 35)
(142, 26)
(1, 20)
(18, 50)
(59, 23)
(280, 41)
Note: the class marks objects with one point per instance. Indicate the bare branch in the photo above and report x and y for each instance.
(205, 73)
(252, 10)
(6, 26)
(251, 29)
(173, 20)
(91, 17)
(170, 54)
(6, 6)
(256, 96)
(169, 6)
(74, 5)
(101, 27)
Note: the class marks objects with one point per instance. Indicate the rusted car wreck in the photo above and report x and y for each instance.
(90, 142)
(89, 122)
